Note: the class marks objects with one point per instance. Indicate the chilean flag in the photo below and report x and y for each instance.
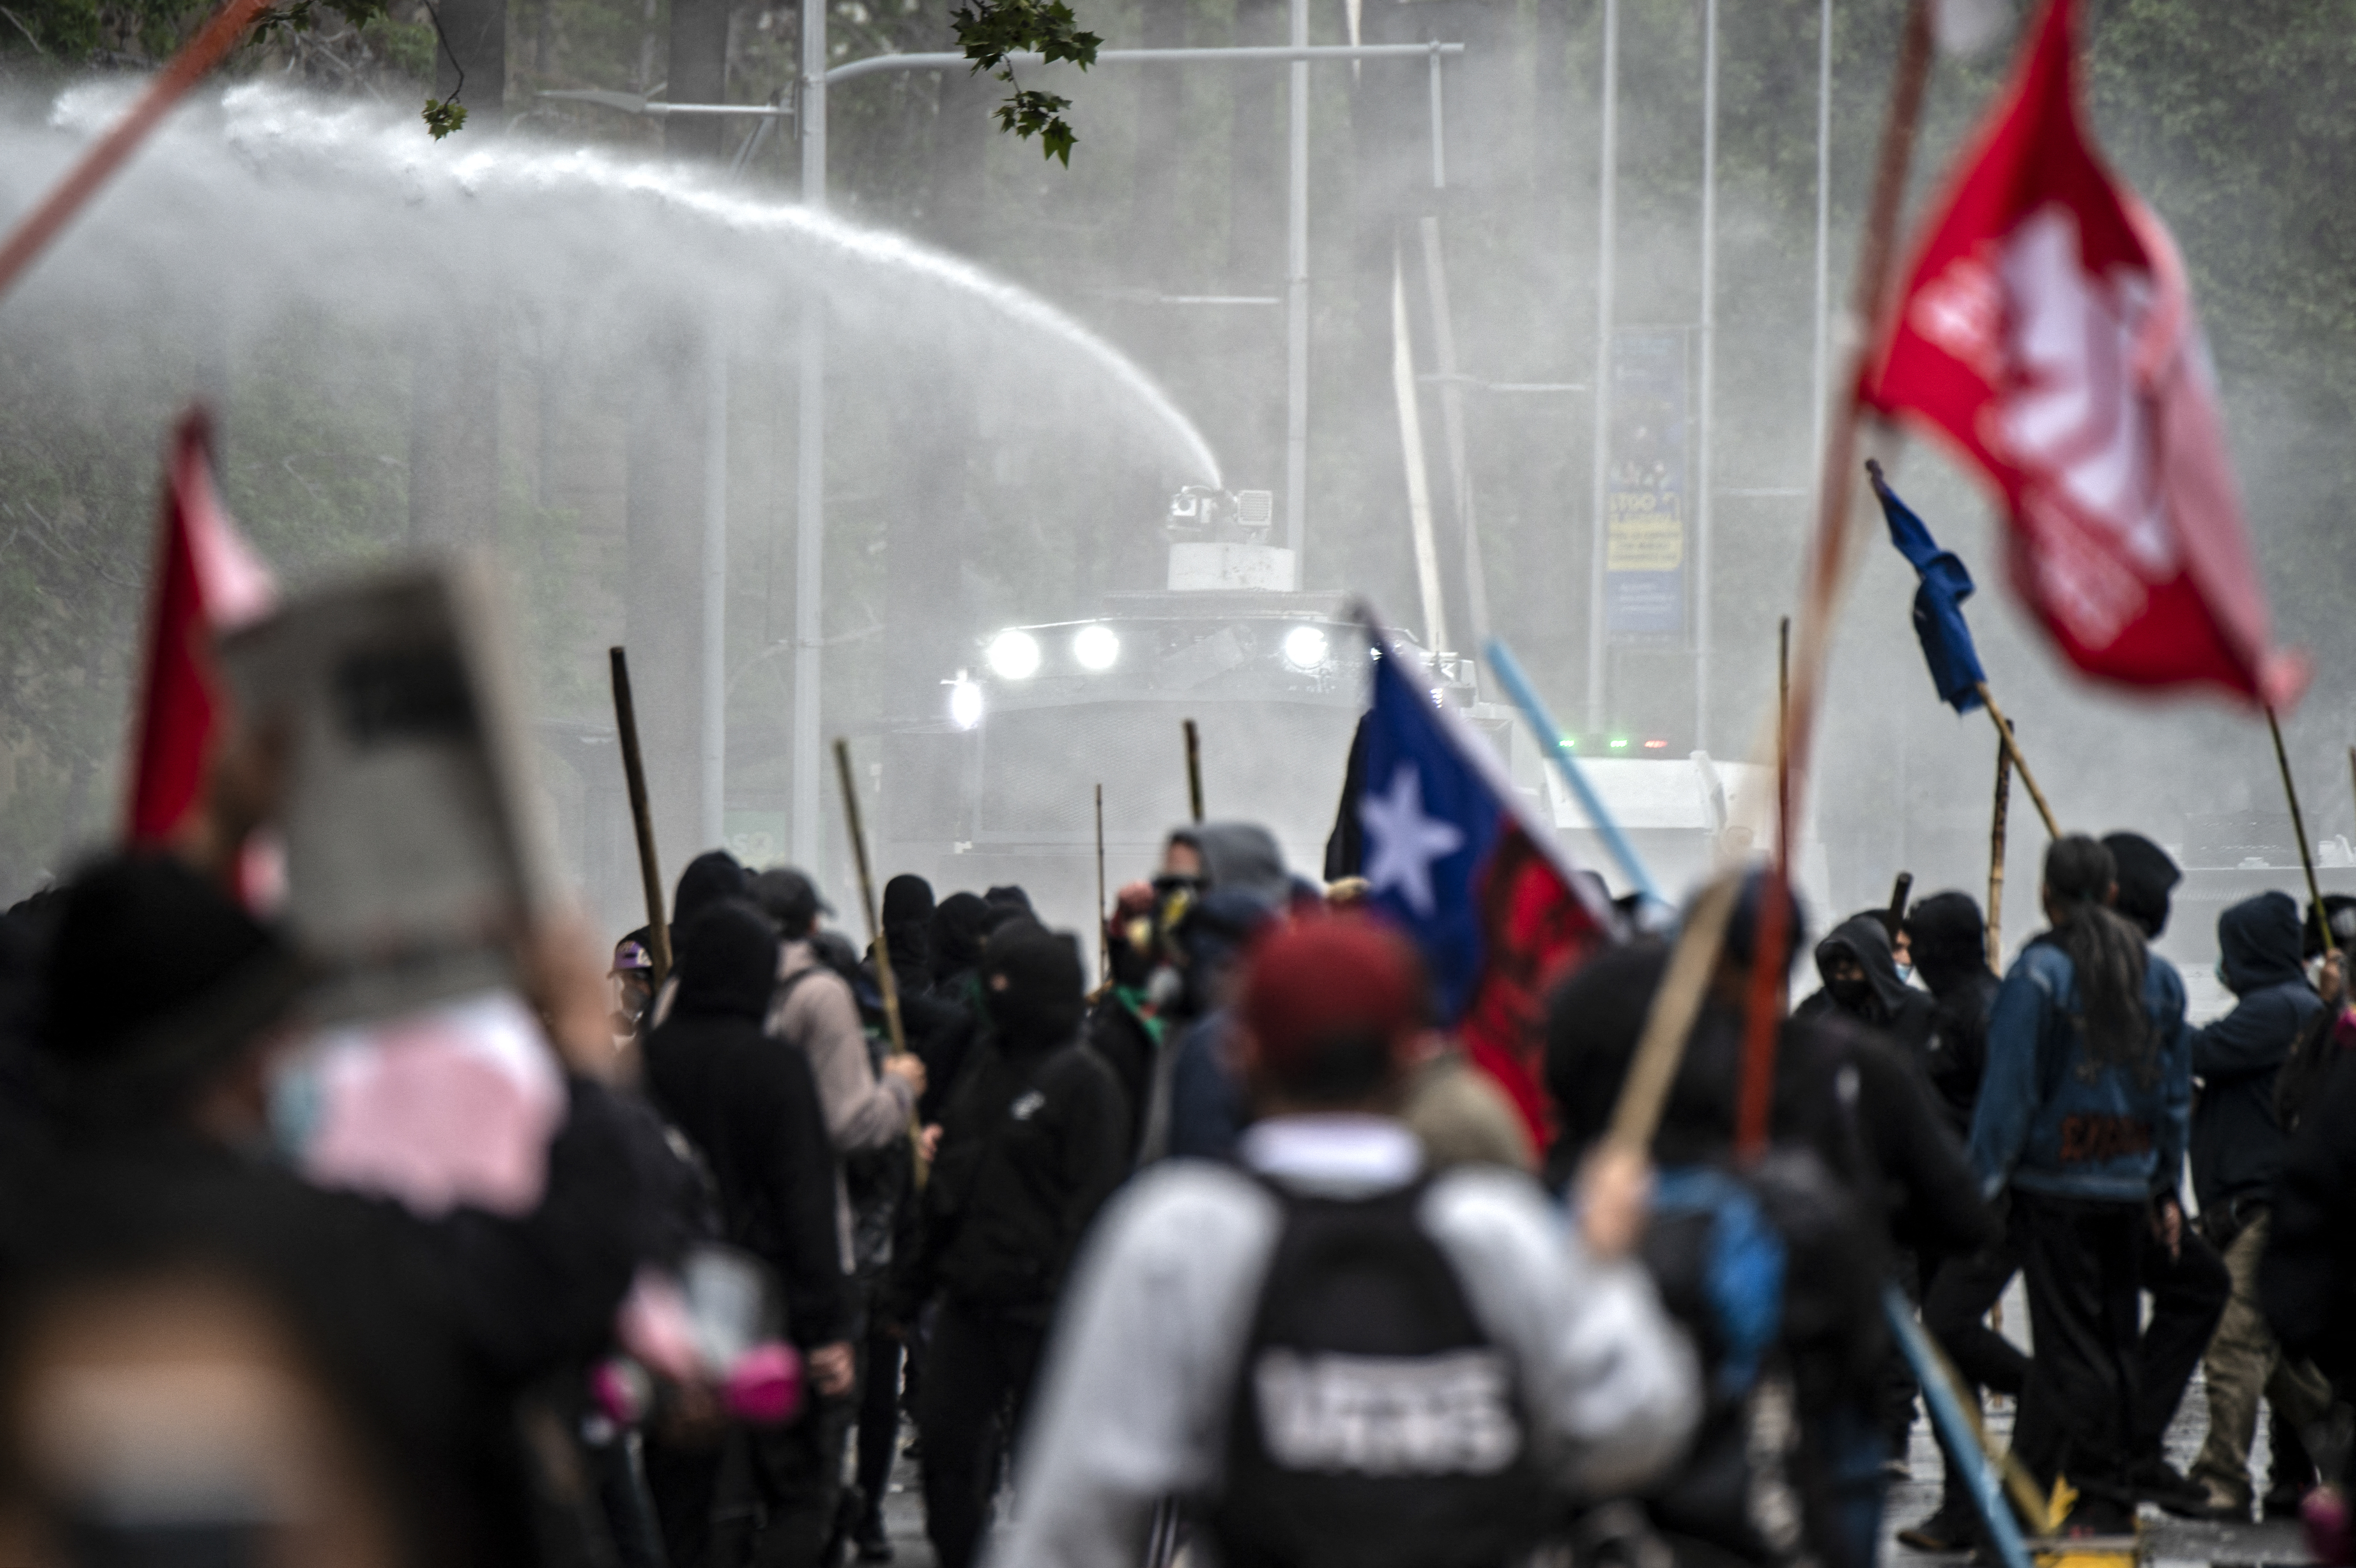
(1448, 854)
(2046, 330)
(207, 581)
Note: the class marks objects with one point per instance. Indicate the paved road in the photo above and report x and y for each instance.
(2173, 1543)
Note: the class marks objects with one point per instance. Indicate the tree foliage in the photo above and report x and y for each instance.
(988, 31)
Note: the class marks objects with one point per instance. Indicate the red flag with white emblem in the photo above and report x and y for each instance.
(207, 581)
(2046, 329)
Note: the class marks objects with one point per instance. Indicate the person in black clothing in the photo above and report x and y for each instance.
(2237, 1148)
(1860, 1113)
(751, 1108)
(157, 1052)
(1126, 1026)
(1861, 980)
(1032, 1144)
(1949, 943)
(2306, 1281)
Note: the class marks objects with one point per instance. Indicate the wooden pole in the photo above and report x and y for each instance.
(1997, 826)
(1902, 892)
(1826, 556)
(1104, 949)
(1762, 1014)
(634, 771)
(1193, 771)
(2298, 827)
(877, 945)
(2004, 734)
(181, 72)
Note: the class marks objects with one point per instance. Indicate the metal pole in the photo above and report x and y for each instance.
(1703, 478)
(1439, 126)
(715, 588)
(1606, 225)
(1296, 306)
(1824, 230)
(1248, 54)
(809, 527)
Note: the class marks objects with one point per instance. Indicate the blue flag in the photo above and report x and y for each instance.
(1938, 603)
(1450, 856)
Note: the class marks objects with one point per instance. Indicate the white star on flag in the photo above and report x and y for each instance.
(1402, 842)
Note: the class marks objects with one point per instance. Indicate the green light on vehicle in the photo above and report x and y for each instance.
(1570, 742)
(1619, 742)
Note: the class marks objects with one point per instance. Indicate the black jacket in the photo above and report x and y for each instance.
(1956, 1057)
(1031, 1144)
(1129, 1042)
(2306, 1281)
(2237, 1144)
(750, 1107)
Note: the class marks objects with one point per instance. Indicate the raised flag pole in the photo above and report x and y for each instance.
(1825, 560)
(1104, 952)
(2012, 749)
(1996, 824)
(2298, 827)
(1509, 674)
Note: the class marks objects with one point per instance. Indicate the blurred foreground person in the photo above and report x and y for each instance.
(1777, 1267)
(2083, 1117)
(1340, 1359)
(751, 1110)
(2306, 1281)
(1034, 1139)
(171, 1085)
(2238, 1148)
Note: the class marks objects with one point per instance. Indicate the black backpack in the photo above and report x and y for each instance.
(1374, 1424)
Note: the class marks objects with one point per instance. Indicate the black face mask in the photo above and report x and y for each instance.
(1033, 987)
(1852, 995)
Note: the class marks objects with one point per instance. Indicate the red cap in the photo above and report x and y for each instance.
(1321, 982)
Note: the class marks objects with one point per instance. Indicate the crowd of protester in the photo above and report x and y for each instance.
(1222, 1249)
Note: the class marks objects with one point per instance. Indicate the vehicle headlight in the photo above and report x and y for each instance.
(965, 703)
(1305, 648)
(1096, 646)
(1014, 655)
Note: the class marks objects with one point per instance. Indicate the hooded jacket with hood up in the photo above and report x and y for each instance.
(1888, 1003)
(751, 1108)
(2237, 1144)
(1950, 945)
(1035, 1138)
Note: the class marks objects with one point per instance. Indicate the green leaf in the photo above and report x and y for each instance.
(988, 31)
(442, 118)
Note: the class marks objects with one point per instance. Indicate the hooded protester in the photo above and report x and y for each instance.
(2238, 1148)
(1338, 1358)
(1032, 1143)
(2307, 1279)
(960, 925)
(1859, 970)
(714, 877)
(1124, 1026)
(1205, 1100)
(2083, 1117)
(752, 1111)
(1949, 942)
(1007, 903)
(1241, 856)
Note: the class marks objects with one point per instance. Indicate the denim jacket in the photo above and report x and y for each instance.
(2051, 1121)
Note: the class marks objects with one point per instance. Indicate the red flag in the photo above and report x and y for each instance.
(206, 579)
(2047, 330)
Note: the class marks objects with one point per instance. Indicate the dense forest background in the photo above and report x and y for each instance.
(2233, 121)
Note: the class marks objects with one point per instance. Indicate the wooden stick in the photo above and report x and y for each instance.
(181, 72)
(1754, 1095)
(1104, 949)
(1193, 771)
(1900, 892)
(1996, 828)
(2298, 827)
(1670, 1019)
(877, 944)
(2003, 733)
(634, 770)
